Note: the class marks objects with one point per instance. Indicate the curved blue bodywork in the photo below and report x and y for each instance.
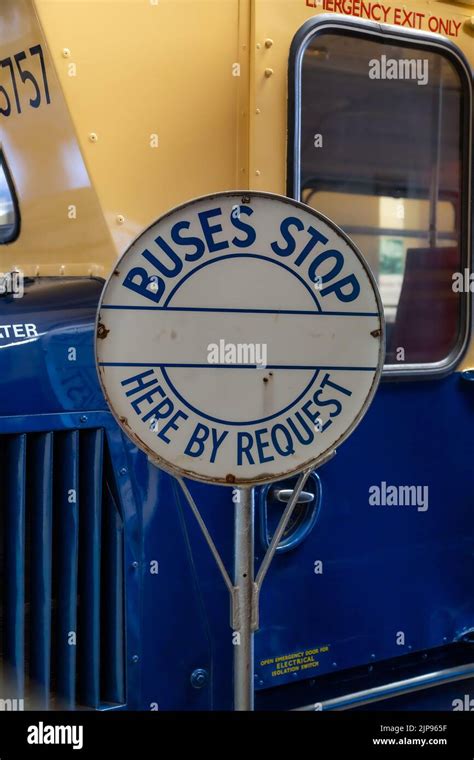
(367, 591)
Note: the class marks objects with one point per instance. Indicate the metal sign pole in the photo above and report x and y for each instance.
(244, 599)
(245, 591)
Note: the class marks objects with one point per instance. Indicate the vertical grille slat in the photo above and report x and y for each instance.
(89, 571)
(112, 644)
(40, 506)
(14, 560)
(67, 553)
(62, 592)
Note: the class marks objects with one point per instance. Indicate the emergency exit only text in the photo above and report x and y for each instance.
(389, 14)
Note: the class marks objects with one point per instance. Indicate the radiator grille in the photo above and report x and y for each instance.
(62, 587)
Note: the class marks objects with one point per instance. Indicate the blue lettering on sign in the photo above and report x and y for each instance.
(149, 401)
(166, 271)
(209, 231)
(148, 386)
(261, 445)
(244, 444)
(177, 238)
(291, 221)
(168, 259)
(195, 447)
(196, 444)
(243, 227)
(251, 445)
(138, 280)
(282, 440)
(315, 237)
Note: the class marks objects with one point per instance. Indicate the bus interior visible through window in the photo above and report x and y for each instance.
(381, 155)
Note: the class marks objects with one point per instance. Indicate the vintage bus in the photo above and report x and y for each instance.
(112, 113)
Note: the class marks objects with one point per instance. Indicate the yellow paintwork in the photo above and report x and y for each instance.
(125, 74)
(150, 73)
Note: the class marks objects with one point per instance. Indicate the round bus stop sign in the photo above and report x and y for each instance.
(240, 339)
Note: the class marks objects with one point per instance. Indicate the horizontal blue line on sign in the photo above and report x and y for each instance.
(235, 366)
(244, 311)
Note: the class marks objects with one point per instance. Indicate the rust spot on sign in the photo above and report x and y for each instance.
(102, 331)
(376, 333)
(230, 478)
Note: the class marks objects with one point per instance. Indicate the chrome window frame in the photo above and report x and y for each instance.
(16, 209)
(419, 40)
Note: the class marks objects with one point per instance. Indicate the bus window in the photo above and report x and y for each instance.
(380, 147)
(9, 216)
(401, 225)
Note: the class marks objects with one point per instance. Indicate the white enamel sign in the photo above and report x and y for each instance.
(240, 339)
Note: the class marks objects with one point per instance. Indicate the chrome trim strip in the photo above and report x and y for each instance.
(390, 690)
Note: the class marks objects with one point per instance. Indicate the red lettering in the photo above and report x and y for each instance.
(376, 7)
(444, 26)
(448, 27)
(457, 26)
(420, 17)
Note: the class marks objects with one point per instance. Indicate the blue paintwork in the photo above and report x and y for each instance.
(385, 569)
(91, 527)
(14, 522)
(41, 566)
(36, 376)
(67, 558)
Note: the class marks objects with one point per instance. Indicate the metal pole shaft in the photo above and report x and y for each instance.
(243, 580)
